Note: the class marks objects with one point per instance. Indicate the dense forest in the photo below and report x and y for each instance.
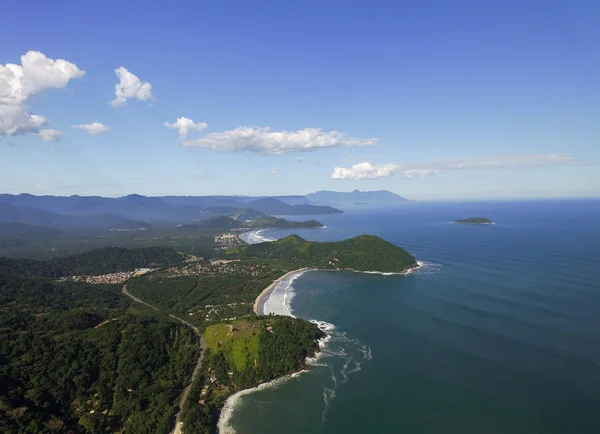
(99, 261)
(207, 293)
(274, 222)
(243, 354)
(79, 357)
(362, 253)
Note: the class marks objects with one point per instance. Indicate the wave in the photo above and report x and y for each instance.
(224, 424)
(426, 267)
(341, 354)
(280, 298)
(348, 355)
(255, 237)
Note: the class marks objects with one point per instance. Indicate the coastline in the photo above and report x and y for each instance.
(263, 296)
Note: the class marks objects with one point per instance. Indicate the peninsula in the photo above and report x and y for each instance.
(475, 221)
(361, 253)
(154, 337)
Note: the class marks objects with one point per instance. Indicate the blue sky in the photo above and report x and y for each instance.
(428, 99)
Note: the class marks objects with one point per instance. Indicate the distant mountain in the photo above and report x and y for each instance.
(273, 206)
(222, 222)
(206, 201)
(355, 198)
(94, 212)
(293, 200)
(235, 213)
(36, 217)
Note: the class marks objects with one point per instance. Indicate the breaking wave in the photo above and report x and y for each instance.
(255, 237)
(338, 353)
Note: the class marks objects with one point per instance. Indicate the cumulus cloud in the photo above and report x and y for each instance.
(36, 74)
(185, 125)
(264, 141)
(130, 86)
(49, 135)
(367, 170)
(273, 171)
(363, 171)
(94, 128)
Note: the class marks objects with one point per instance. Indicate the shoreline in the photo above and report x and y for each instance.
(228, 409)
(262, 297)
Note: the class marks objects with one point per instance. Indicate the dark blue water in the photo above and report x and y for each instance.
(499, 332)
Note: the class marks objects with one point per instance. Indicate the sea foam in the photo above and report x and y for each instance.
(255, 237)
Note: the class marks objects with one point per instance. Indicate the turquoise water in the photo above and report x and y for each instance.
(498, 332)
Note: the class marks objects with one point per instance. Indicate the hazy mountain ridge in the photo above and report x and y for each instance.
(355, 198)
(95, 212)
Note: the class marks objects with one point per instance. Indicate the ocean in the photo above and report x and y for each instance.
(497, 332)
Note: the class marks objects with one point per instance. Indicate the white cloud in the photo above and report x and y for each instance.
(300, 159)
(185, 125)
(35, 74)
(273, 171)
(130, 86)
(93, 128)
(367, 170)
(264, 141)
(363, 171)
(49, 135)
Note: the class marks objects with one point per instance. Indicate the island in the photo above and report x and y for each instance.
(475, 221)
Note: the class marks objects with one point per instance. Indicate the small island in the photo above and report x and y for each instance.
(475, 221)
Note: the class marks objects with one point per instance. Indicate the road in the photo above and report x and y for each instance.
(186, 391)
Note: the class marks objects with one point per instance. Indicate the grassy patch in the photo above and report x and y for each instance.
(239, 341)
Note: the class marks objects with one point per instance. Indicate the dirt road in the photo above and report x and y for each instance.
(186, 391)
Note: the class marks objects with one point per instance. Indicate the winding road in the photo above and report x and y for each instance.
(186, 391)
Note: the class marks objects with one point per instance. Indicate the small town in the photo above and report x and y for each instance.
(108, 279)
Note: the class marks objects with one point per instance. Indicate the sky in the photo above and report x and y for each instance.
(431, 100)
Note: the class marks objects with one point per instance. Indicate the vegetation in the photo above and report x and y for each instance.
(205, 293)
(274, 222)
(272, 206)
(243, 354)
(100, 261)
(82, 357)
(475, 221)
(362, 253)
(76, 357)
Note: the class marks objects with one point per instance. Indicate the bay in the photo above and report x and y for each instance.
(497, 332)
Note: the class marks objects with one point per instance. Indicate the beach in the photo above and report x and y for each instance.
(264, 295)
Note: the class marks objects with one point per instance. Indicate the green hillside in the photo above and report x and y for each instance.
(99, 261)
(362, 253)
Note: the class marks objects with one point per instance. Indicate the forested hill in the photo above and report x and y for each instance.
(243, 354)
(362, 253)
(81, 358)
(100, 261)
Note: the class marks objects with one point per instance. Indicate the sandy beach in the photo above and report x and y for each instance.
(263, 296)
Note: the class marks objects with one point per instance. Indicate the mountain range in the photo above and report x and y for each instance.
(355, 198)
(94, 212)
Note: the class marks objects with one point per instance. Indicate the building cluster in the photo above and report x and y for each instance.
(218, 268)
(228, 239)
(109, 278)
